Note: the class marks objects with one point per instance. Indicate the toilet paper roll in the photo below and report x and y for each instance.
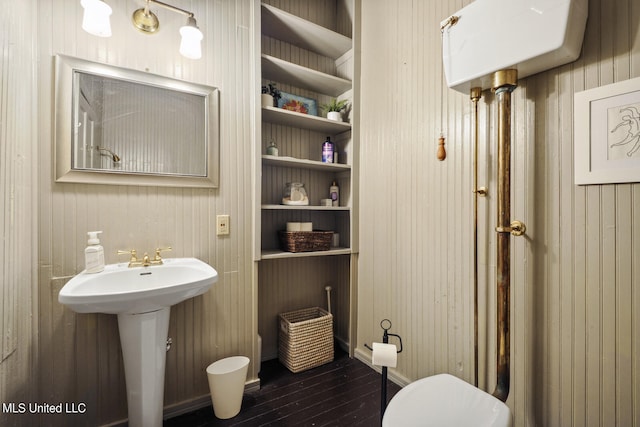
(384, 355)
(293, 226)
(306, 226)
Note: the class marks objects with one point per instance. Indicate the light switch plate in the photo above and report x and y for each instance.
(222, 225)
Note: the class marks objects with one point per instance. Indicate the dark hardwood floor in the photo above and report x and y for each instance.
(345, 392)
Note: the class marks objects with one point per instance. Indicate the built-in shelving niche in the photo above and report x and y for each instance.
(314, 61)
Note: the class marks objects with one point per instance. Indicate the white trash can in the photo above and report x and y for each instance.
(226, 384)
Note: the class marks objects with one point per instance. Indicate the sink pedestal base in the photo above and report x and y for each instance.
(144, 348)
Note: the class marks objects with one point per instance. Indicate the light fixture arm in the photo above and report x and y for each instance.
(169, 7)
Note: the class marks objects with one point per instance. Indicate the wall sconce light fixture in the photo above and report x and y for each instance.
(96, 21)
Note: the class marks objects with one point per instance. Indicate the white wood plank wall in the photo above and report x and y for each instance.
(575, 340)
(79, 358)
(18, 154)
(575, 331)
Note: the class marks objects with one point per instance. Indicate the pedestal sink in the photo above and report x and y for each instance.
(141, 297)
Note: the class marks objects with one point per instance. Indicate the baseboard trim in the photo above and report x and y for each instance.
(194, 404)
(190, 405)
(392, 374)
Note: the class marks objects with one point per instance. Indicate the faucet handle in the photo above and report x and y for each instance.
(132, 252)
(158, 250)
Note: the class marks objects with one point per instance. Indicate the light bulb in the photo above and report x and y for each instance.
(191, 37)
(96, 18)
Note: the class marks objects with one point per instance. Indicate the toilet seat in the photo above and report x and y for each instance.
(445, 400)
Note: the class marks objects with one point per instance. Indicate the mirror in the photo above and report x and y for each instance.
(120, 126)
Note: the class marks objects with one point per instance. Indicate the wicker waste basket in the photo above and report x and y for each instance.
(305, 339)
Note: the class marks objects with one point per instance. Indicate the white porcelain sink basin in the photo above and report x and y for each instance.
(442, 401)
(141, 297)
(119, 289)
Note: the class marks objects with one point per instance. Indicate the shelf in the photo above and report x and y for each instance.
(296, 75)
(304, 208)
(292, 162)
(299, 32)
(280, 116)
(275, 254)
(284, 26)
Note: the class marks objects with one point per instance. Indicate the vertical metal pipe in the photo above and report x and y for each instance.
(475, 95)
(504, 82)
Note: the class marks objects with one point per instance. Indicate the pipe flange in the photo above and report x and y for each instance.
(508, 78)
(475, 93)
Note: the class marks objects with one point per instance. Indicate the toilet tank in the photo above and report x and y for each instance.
(528, 35)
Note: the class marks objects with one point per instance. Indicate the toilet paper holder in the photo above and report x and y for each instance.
(385, 340)
(386, 334)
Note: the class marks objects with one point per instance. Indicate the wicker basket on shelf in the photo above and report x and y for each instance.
(305, 241)
(305, 338)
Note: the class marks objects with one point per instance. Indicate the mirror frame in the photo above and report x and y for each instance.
(65, 66)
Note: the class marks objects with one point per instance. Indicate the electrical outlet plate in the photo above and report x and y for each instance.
(222, 225)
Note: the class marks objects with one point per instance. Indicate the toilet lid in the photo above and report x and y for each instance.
(445, 400)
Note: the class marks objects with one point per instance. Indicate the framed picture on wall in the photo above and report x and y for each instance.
(607, 134)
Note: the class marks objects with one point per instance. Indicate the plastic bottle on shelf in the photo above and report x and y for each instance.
(327, 151)
(334, 194)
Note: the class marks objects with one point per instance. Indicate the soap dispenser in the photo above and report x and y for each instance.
(94, 253)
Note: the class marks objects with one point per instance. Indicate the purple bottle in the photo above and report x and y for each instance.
(327, 151)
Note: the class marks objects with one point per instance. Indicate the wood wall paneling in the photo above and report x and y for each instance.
(573, 333)
(18, 186)
(575, 339)
(80, 357)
